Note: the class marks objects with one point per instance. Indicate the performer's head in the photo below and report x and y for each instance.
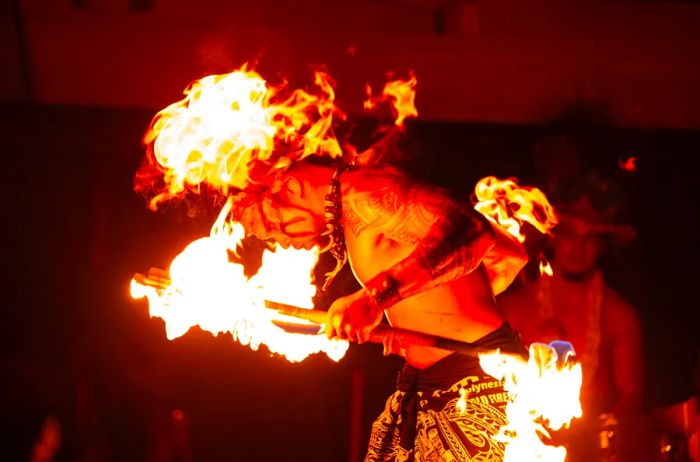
(288, 207)
(587, 208)
(577, 245)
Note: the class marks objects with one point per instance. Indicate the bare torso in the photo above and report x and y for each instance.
(617, 364)
(569, 322)
(463, 309)
(460, 310)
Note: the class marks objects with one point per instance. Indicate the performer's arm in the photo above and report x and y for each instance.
(504, 261)
(447, 239)
(454, 246)
(443, 240)
(626, 345)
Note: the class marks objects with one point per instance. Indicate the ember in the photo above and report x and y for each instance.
(629, 164)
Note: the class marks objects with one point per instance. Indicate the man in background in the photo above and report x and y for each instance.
(576, 305)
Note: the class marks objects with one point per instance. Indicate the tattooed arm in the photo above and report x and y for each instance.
(450, 239)
(425, 237)
(438, 240)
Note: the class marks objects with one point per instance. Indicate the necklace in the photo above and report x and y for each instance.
(594, 303)
(334, 223)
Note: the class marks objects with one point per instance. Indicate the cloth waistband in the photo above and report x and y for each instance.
(445, 373)
(452, 368)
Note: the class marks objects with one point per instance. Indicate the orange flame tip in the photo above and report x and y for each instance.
(401, 94)
(509, 205)
(228, 122)
(544, 396)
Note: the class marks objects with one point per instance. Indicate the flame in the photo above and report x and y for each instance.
(401, 93)
(508, 204)
(461, 404)
(227, 122)
(205, 289)
(544, 396)
(629, 164)
(546, 268)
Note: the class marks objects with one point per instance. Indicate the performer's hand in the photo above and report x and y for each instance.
(393, 345)
(353, 317)
(251, 217)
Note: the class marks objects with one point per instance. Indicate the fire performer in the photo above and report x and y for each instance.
(430, 264)
(427, 261)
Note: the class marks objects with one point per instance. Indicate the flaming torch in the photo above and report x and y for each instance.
(544, 396)
(228, 132)
(509, 205)
(228, 124)
(544, 389)
(204, 288)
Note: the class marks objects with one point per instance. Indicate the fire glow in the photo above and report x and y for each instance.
(226, 125)
(546, 268)
(225, 128)
(401, 94)
(205, 289)
(509, 205)
(543, 397)
(629, 164)
(225, 121)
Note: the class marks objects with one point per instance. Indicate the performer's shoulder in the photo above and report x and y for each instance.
(377, 177)
(619, 311)
(518, 299)
(617, 302)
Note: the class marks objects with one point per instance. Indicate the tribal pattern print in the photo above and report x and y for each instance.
(450, 238)
(384, 199)
(446, 431)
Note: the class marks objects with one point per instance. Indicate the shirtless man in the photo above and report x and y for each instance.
(576, 305)
(418, 255)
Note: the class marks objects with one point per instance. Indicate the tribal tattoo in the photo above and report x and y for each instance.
(455, 244)
(384, 199)
(450, 238)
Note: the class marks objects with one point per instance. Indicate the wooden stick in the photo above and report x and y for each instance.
(381, 332)
(158, 279)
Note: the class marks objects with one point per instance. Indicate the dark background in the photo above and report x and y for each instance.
(80, 81)
(76, 346)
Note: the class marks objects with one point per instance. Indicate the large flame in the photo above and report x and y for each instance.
(228, 122)
(509, 205)
(544, 397)
(230, 131)
(401, 94)
(206, 289)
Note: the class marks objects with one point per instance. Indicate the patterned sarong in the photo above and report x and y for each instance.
(428, 420)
